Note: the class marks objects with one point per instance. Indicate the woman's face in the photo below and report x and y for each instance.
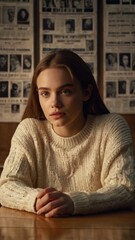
(125, 60)
(61, 99)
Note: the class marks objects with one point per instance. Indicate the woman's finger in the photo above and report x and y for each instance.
(44, 191)
(50, 206)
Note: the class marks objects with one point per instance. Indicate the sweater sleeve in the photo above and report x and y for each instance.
(117, 173)
(18, 178)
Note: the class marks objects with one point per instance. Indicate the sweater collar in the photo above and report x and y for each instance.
(75, 139)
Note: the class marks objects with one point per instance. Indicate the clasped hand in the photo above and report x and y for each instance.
(53, 203)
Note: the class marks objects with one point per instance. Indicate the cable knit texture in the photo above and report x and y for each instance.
(96, 167)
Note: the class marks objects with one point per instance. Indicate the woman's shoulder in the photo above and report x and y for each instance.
(115, 126)
(112, 121)
(29, 123)
(110, 117)
(30, 127)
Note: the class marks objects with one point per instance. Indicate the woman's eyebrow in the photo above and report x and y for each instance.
(62, 86)
(66, 85)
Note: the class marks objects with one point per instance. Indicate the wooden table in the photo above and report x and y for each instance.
(19, 225)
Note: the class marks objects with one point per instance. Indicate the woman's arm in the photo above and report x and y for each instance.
(118, 187)
(19, 175)
(17, 181)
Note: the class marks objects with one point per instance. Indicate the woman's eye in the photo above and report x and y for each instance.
(66, 92)
(44, 94)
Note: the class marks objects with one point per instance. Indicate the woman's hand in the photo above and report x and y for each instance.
(53, 203)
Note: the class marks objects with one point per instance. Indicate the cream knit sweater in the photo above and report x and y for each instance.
(96, 167)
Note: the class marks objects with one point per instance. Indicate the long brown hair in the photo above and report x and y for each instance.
(79, 69)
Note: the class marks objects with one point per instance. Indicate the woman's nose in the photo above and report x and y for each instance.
(56, 101)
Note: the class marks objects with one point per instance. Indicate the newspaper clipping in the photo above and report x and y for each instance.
(16, 57)
(119, 55)
(70, 24)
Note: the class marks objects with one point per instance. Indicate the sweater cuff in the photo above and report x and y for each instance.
(81, 203)
(30, 205)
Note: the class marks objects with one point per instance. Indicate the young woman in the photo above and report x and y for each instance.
(69, 155)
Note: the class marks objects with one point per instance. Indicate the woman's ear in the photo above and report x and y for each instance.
(87, 93)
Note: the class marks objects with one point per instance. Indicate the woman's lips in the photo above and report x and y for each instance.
(57, 115)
